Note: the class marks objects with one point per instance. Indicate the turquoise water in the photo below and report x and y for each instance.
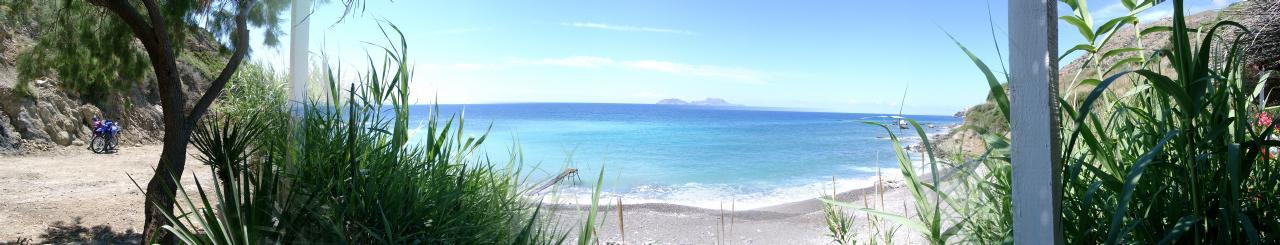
(689, 155)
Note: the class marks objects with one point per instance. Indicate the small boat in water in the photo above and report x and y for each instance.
(902, 123)
(931, 125)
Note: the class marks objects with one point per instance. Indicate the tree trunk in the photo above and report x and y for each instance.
(162, 188)
(152, 31)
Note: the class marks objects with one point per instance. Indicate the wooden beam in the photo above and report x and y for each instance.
(1037, 188)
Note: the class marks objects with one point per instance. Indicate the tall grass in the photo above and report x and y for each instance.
(1177, 157)
(350, 174)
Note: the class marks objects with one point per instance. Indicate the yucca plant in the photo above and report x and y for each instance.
(348, 173)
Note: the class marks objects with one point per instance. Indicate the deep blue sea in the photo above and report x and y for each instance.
(689, 155)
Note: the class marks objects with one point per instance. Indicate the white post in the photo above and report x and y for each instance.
(299, 68)
(1033, 53)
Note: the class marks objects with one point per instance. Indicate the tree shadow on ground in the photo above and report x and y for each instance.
(75, 232)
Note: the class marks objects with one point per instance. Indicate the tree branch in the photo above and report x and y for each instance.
(131, 17)
(154, 36)
(241, 43)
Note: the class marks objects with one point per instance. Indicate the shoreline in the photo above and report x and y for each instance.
(891, 177)
(797, 222)
(780, 210)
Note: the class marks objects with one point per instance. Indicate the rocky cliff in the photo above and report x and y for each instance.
(54, 116)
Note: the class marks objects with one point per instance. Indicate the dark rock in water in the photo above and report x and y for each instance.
(672, 101)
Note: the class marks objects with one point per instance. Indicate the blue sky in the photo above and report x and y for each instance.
(848, 56)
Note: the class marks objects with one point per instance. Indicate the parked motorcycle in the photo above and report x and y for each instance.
(105, 137)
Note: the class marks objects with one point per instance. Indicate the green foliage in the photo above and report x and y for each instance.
(1174, 159)
(929, 199)
(78, 45)
(250, 93)
(23, 88)
(882, 232)
(839, 224)
(246, 199)
(92, 52)
(588, 232)
(349, 175)
(986, 116)
(1178, 159)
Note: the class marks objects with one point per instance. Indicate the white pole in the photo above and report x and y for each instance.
(299, 68)
(1033, 53)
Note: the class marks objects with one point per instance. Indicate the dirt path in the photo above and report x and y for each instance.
(73, 195)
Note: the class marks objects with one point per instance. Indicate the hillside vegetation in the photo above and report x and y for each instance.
(1261, 57)
(40, 108)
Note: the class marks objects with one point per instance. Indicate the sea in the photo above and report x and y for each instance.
(698, 156)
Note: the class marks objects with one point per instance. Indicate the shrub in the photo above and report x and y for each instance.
(1174, 159)
(349, 175)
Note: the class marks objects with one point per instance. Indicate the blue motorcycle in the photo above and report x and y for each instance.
(105, 137)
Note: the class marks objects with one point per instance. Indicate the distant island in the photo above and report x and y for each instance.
(706, 102)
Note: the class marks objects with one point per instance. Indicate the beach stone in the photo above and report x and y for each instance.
(77, 142)
(62, 138)
(894, 183)
(28, 126)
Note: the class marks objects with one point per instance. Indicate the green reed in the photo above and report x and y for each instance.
(1172, 156)
(1177, 158)
(347, 173)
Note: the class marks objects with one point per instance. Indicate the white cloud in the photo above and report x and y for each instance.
(707, 71)
(1154, 15)
(572, 61)
(602, 26)
(456, 67)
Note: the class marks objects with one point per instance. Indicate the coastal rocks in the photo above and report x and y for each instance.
(8, 137)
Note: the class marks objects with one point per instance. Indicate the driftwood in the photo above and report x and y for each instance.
(567, 172)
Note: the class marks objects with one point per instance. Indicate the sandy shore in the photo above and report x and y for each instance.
(801, 222)
(72, 195)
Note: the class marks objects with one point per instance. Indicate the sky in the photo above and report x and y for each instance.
(841, 56)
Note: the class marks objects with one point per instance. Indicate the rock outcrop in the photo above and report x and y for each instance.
(55, 117)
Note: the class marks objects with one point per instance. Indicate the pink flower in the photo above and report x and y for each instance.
(1264, 120)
